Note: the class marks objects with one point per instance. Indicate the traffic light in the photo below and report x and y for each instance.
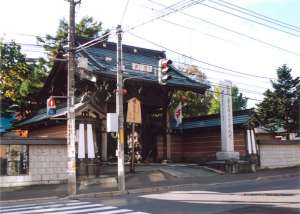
(163, 72)
(51, 106)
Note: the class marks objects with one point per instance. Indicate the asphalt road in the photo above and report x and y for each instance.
(256, 197)
(280, 196)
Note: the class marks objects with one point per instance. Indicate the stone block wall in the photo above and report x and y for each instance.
(47, 165)
(279, 155)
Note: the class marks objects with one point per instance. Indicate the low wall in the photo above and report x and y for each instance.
(276, 154)
(47, 165)
(201, 144)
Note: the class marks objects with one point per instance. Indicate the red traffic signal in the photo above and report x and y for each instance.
(165, 65)
(164, 68)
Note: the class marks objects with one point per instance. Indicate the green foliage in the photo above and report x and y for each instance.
(197, 104)
(87, 27)
(19, 80)
(280, 107)
(238, 101)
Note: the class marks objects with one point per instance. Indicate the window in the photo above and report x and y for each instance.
(13, 159)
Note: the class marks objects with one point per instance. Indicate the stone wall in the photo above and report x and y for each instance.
(47, 165)
(279, 154)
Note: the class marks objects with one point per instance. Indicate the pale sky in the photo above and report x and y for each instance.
(20, 19)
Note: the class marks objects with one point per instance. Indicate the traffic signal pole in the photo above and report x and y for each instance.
(71, 170)
(119, 110)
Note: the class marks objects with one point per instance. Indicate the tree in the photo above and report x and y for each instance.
(19, 80)
(280, 107)
(238, 101)
(87, 28)
(196, 104)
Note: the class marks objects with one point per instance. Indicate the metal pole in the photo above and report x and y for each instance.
(132, 170)
(119, 109)
(71, 111)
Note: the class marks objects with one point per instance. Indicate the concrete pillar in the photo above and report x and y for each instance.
(227, 152)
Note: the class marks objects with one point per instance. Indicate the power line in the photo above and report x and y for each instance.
(222, 72)
(249, 98)
(24, 34)
(237, 83)
(200, 61)
(100, 39)
(93, 42)
(154, 66)
(278, 23)
(186, 5)
(189, 28)
(233, 31)
(240, 89)
(124, 12)
(250, 20)
(263, 17)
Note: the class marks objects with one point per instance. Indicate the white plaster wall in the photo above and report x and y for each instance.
(47, 165)
(276, 156)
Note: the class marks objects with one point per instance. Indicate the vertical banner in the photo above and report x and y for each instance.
(90, 141)
(253, 141)
(249, 144)
(178, 114)
(81, 139)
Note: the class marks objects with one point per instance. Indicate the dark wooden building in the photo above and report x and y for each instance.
(95, 90)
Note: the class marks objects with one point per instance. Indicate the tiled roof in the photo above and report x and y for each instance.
(239, 118)
(42, 115)
(102, 61)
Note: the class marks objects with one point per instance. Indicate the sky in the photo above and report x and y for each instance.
(207, 43)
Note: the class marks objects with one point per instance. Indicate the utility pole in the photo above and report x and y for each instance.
(71, 102)
(119, 110)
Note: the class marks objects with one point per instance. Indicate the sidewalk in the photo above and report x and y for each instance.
(148, 178)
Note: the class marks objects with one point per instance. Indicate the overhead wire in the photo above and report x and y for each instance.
(198, 60)
(233, 31)
(251, 20)
(187, 4)
(190, 28)
(173, 10)
(130, 61)
(210, 82)
(124, 12)
(259, 15)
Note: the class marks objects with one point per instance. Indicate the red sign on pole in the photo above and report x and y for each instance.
(51, 106)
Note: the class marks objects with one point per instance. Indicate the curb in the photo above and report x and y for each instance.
(277, 176)
(131, 191)
(30, 199)
(148, 189)
(213, 170)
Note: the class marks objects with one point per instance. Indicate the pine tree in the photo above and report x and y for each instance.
(280, 107)
(86, 28)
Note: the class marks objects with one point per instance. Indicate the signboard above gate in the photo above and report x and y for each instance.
(134, 111)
